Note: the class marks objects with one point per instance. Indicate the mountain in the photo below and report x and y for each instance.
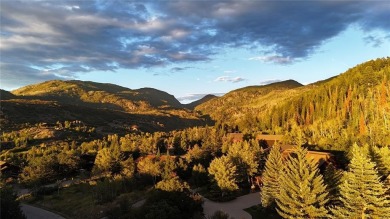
(196, 103)
(6, 95)
(108, 107)
(99, 95)
(231, 108)
(351, 107)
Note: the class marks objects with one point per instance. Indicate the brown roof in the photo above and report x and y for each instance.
(319, 157)
(236, 137)
(269, 137)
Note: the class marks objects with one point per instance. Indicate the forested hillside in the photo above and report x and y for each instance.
(352, 107)
(240, 107)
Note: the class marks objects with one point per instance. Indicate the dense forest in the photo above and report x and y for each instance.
(74, 165)
(352, 107)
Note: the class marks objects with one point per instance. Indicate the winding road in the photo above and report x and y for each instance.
(234, 208)
(32, 212)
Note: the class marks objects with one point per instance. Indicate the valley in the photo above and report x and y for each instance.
(117, 146)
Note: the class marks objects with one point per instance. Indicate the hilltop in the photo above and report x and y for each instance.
(196, 103)
(99, 95)
(5, 95)
(111, 108)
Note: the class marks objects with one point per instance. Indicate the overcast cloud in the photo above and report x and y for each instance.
(60, 39)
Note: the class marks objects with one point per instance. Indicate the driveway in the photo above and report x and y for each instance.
(32, 212)
(234, 208)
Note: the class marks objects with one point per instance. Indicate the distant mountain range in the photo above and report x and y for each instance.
(202, 100)
(111, 106)
(253, 107)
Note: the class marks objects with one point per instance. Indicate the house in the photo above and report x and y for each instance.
(264, 140)
(235, 137)
(268, 140)
(323, 159)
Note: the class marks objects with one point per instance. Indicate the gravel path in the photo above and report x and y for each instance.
(234, 208)
(32, 212)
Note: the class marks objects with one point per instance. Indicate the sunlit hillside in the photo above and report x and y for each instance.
(89, 150)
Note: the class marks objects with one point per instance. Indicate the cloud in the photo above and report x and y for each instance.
(179, 69)
(375, 40)
(193, 97)
(12, 74)
(229, 79)
(83, 36)
(274, 59)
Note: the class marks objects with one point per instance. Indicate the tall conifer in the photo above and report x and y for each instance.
(362, 194)
(302, 191)
(270, 177)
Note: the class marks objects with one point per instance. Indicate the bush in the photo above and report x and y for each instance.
(106, 191)
(219, 215)
(172, 205)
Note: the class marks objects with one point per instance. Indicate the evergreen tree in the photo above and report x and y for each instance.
(332, 178)
(168, 168)
(199, 175)
(128, 168)
(270, 177)
(172, 184)
(107, 162)
(362, 194)
(224, 172)
(246, 155)
(381, 157)
(149, 167)
(302, 192)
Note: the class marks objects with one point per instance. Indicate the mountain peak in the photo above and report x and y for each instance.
(90, 93)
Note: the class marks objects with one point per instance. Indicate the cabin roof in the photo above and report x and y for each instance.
(269, 137)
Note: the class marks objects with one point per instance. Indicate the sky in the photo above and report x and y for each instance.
(188, 48)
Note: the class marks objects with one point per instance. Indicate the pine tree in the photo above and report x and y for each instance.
(246, 156)
(172, 184)
(302, 191)
(128, 168)
(224, 173)
(270, 177)
(332, 179)
(362, 194)
(381, 156)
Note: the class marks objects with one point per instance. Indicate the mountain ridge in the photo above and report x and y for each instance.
(356, 103)
(90, 93)
(202, 100)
